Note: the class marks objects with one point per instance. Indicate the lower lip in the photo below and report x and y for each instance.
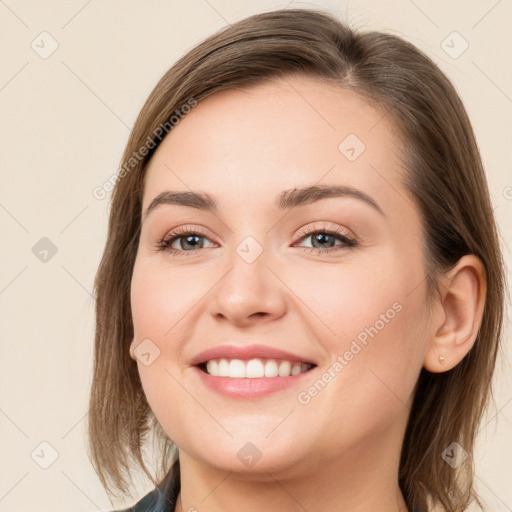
(249, 388)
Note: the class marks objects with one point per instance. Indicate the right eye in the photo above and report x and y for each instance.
(189, 241)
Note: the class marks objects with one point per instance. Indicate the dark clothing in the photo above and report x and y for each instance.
(163, 497)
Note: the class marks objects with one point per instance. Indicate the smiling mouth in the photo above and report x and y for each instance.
(253, 368)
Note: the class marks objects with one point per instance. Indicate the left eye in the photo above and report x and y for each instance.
(327, 240)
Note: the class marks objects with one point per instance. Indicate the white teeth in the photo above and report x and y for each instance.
(254, 368)
(223, 368)
(212, 367)
(285, 369)
(271, 369)
(236, 369)
(296, 369)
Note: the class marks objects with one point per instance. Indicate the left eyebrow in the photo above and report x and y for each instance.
(296, 197)
(287, 199)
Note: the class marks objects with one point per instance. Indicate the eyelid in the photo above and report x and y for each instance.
(326, 227)
(301, 234)
(351, 240)
(187, 228)
(181, 231)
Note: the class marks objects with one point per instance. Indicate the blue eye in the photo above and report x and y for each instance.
(190, 241)
(328, 239)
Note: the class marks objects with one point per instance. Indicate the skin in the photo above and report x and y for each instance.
(340, 451)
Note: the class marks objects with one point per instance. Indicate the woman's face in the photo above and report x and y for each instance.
(332, 278)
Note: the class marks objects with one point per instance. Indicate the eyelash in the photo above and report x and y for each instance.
(165, 243)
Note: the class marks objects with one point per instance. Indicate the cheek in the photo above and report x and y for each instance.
(158, 301)
(369, 320)
(342, 299)
(165, 304)
(161, 298)
(374, 357)
(167, 399)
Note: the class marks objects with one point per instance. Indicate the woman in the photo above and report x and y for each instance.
(301, 294)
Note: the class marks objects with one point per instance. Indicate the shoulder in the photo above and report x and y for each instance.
(163, 497)
(145, 504)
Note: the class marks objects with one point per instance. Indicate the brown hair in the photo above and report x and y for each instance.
(443, 172)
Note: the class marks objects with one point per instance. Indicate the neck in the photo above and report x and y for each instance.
(365, 479)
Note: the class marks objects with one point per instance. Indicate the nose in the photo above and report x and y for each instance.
(248, 293)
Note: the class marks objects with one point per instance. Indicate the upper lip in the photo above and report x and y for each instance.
(246, 352)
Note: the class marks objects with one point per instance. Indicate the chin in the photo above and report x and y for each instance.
(253, 460)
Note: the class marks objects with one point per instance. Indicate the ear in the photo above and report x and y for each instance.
(132, 350)
(458, 318)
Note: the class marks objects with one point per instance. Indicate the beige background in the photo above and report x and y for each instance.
(65, 120)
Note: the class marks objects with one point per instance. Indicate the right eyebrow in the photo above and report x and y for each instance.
(199, 200)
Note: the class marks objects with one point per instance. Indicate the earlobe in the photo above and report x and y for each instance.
(462, 305)
(132, 350)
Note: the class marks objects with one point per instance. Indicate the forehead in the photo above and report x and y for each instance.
(286, 132)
